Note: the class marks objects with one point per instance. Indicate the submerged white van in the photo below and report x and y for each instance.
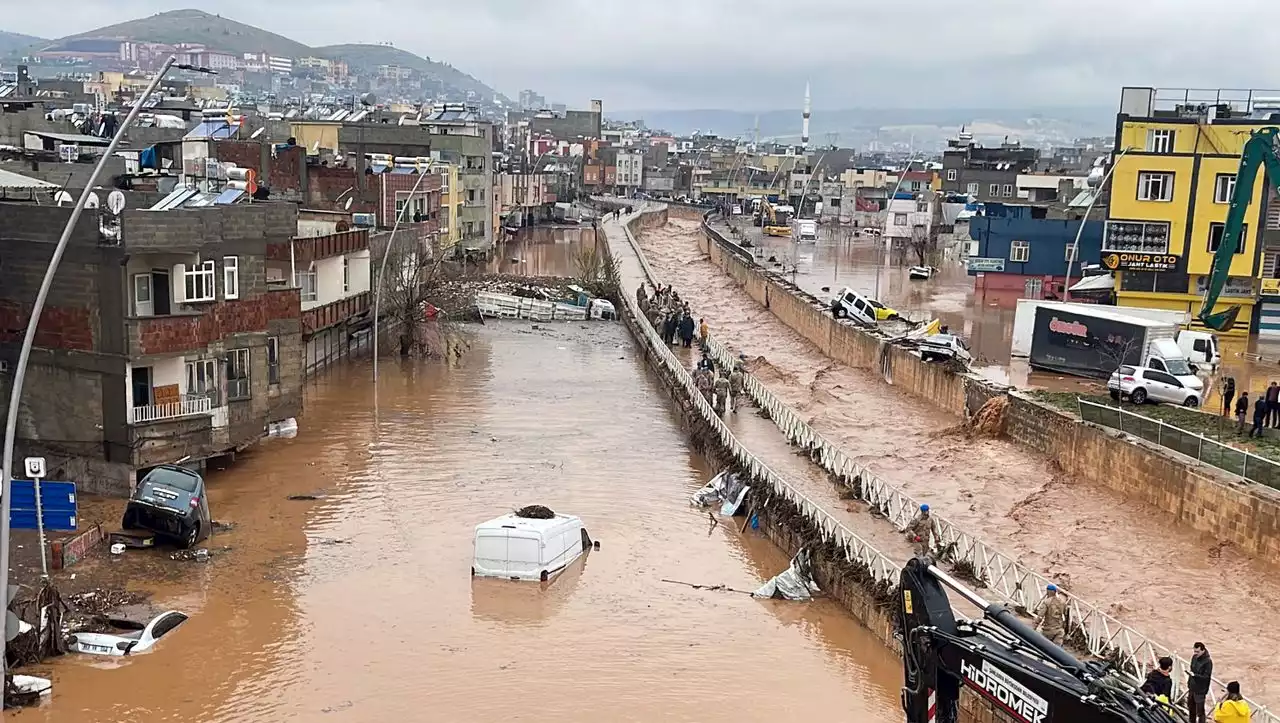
(523, 548)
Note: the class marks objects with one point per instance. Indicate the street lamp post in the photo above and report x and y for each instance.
(382, 270)
(1075, 245)
(28, 339)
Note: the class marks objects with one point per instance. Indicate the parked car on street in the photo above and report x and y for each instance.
(1144, 384)
(129, 638)
(170, 501)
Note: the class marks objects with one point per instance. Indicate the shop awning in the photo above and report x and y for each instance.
(1100, 284)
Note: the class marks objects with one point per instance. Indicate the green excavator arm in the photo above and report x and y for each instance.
(1258, 151)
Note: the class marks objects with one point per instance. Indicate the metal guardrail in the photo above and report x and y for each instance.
(857, 550)
(1239, 462)
(1003, 575)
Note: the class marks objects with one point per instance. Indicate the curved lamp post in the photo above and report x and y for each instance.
(1075, 245)
(382, 270)
(28, 339)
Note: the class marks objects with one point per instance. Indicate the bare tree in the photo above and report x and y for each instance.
(598, 273)
(414, 268)
(1117, 351)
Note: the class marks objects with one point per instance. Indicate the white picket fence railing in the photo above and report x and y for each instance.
(857, 550)
(1001, 574)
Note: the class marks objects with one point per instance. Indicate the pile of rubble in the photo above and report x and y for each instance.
(456, 297)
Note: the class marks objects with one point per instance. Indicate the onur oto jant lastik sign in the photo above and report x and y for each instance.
(1130, 261)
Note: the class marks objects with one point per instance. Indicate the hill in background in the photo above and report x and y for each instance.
(215, 31)
(14, 42)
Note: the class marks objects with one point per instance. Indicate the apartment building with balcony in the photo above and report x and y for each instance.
(328, 263)
(161, 341)
(1177, 155)
(460, 129)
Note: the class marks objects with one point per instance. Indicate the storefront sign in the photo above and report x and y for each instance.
(1128, 261)
(1271, 287)
(985, 264)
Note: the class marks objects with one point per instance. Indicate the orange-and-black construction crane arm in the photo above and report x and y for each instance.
(1003, 660)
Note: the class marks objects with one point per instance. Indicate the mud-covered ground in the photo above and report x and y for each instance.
(1172, 583)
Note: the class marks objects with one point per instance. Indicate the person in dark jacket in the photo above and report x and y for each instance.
(686, 331)
(1228, 393)
(1242, 409)
(1198, 681)
(1273, 405)
(668, 327)
(1259, 416)
(1158, 681)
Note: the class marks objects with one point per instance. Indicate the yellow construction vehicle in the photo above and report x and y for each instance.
(776, 219)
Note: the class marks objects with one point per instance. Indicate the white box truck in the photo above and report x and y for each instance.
(1200, 348)
(1092, 341)
(804, 230)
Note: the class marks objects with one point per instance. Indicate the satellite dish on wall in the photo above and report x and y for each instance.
(115, 202)
(257, 133)
(347, 206)
(368, 99)
(93, 201)
(62, 197)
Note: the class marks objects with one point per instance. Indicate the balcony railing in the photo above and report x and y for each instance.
(189, 406)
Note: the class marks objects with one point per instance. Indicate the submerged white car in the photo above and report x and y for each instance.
(126, 642)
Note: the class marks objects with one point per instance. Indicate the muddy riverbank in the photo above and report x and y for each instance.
(1171, 583)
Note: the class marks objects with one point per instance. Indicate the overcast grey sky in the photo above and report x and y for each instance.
(756, 54)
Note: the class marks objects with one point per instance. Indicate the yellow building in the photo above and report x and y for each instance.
(451, 200)
(1175, 165)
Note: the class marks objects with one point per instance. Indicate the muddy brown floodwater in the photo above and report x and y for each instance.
(1169, 582)
(543, 251)
(359, 607)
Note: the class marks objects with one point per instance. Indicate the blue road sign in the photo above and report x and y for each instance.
(57, 501)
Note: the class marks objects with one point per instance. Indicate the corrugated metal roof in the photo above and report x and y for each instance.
(77, 138)
(9, 179)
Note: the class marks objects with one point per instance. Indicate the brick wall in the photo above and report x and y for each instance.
(281, 171)
(175, 334)
(392, 183)
(244, 226)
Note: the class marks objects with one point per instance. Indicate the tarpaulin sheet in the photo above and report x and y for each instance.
(794, 583)
(726, 489)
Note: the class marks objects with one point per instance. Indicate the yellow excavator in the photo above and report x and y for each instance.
(1259, 152)
(776, 220)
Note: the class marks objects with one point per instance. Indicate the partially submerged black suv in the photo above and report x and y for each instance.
(170, 502)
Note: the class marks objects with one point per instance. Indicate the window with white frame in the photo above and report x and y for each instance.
(972, 189)
(306, 283)
(198, 281)
(1008, 190)
(273, 360)
(1019, 251)
(994, 190)
(1067, 256)
(951, 174)
(202, 378)
(1224, 187)
(143, 302)
(346, 274)
(1215, 237)
(1160, 140)
(238, 386)
(230, 277)
(899, 219)
(1155, 186)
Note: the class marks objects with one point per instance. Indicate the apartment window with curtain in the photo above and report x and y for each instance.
(1224, 187)
(238, 386)
(230, 277)
(1160, 140)
(1155, 186)
(1020, 251)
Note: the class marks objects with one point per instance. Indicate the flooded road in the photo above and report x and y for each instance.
(543, 251)
(358, 606)
(1168, 582)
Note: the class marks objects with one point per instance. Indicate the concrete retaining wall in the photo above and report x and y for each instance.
(1202, 497)
(870, 602)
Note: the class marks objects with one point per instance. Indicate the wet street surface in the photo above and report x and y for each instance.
(543, 251)
(1170, 583)
(358, 605)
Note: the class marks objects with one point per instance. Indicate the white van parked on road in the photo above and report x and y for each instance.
(524, 548)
